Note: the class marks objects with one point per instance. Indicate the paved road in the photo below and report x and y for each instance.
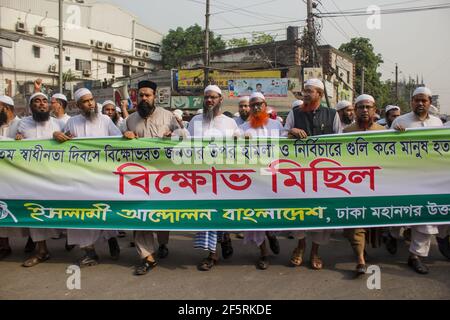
(176, 277)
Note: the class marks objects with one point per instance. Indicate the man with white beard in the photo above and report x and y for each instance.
(90, 123)
(421, 235)
(212, 123)
(38, 126)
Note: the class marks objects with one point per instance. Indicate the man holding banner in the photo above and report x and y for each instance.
(365, 116)
(89, 124)
(212, 123)
(38, 126)
(421, 235)
(312, 120)
(260, 125)
(149, 122)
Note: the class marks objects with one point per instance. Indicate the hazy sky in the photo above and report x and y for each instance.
(418, 42)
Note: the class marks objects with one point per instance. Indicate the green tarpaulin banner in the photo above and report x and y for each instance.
(383, 178)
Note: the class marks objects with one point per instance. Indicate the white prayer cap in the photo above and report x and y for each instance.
(80, 93)
(199, 111)
(118, 110)
(59, 96)
(108, 102)
(343, 104)
(37, 94)
(365, 97)
(297, 103)
(7, 100)
(244, 99)
(423, 90)
(314, 83)
(390, 107)
(269, 110)
(214, 88)
(237, 114)
(178, 113)
(258, 95)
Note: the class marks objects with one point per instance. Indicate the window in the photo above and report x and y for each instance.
(67, 58)
(126, 70)
(154, 49)
(81, 65)
(36, 51)
(110, 68)
(348, 76)
(140, 69)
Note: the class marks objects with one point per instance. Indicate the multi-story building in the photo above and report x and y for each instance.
(101, 41)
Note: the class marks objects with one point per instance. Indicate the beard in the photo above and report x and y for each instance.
(40, 116)
(258, 119)
(145, 109)
(210, 112)
(3, 118)
(365, 123)
(346, 119)
(244, 115)
(90, 114)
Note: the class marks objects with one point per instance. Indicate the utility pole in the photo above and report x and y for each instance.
(362, 81)
(60, 68)
(311, 32)
(396, 83)
(206, 59)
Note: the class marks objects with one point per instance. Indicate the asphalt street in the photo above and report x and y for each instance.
(177, 277)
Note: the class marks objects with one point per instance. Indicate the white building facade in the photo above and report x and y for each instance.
(101, 41)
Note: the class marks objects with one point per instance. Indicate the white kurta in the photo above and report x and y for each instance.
(31, 129)
(101, 126)
(80, 127)
(220, 126)
(9, 130)
(63, 120)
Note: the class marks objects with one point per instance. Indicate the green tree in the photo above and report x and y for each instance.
(363, 53)
(257, 38)
(237, 42)
(180, 43)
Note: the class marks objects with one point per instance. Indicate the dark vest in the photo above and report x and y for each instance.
(315, 123)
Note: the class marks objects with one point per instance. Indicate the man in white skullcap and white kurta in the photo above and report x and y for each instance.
(346, 113)
(244, 110)
(390, 114)
(59, 105)
(212, 123)
(259, 124)
(9, 123)
(312, 120)
(90, 123)
(38, 126)
(421, 235)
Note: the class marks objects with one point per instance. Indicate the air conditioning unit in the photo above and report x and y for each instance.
(108, 46)
(138, 53)
(100, 44)
(39, 30)
(134, 70)
(87, 73)
(146, 54)
(111, 59)
(20, 26)
(126, 61)
(141, 64)
(52, 68)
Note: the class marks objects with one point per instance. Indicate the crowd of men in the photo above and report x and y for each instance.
(307, 118)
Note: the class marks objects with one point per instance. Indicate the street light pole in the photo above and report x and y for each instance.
(206, 70)
(60, 78)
